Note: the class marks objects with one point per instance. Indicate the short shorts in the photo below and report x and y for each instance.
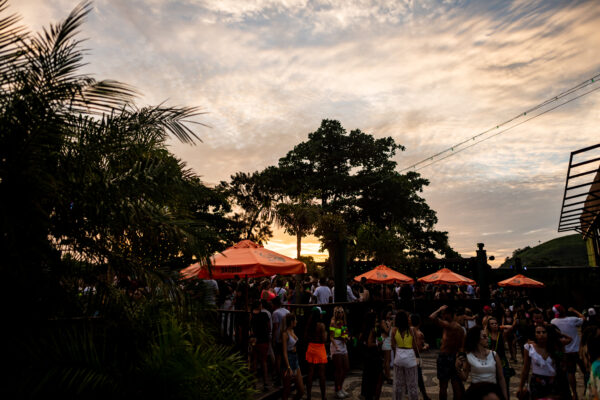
(446, 367)
(293, 360)
(571, 361)
(316, 353)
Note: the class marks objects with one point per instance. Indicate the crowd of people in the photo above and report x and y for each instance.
(478, 346)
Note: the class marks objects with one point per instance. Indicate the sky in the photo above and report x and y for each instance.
(430, 74)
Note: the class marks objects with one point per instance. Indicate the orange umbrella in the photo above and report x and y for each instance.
(446, 277)
(383, 274)
(245, 259)
(521, 281)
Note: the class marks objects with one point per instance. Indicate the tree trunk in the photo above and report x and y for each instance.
(298, 244)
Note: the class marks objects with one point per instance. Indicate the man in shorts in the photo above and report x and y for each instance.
(453, 337)
(570, 326)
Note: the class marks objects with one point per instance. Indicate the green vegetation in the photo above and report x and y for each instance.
(96, 218)
(563, 251)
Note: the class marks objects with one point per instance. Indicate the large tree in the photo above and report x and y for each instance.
(352, 178)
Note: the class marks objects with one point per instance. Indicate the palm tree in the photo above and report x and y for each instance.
(91, 198)
(298, 219)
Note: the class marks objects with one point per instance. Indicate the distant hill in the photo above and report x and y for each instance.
(563, 251)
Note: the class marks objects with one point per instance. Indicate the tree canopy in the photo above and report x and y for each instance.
(344, 187)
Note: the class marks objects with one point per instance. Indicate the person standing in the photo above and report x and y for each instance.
(278, 316)
(338, 333)
(481, 363)
(404, 349)
(542, 358)
(280, 291)
(508, 320)
(569, 326)
(371, 340)
(316, 355)
(386, 330)
(495, 342)
(415, 321)
(212, 291)
(290, 358)
(591, 344)
(452, 342)
(322, 293)
(260, 331)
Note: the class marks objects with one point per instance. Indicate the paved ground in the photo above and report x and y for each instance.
(353, 382)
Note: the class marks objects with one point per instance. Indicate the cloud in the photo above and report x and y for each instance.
(428, 73)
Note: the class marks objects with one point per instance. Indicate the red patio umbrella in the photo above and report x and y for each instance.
(446, 277)
(383, 274)
(245, 259)
(521, 281)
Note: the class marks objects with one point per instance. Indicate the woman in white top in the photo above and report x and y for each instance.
(541, 357)
(482, 364)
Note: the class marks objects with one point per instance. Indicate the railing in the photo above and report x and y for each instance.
(234, 324)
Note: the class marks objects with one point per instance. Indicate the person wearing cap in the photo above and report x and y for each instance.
(569, 326)
(316, 355)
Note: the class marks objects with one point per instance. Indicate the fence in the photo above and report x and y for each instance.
(234, 324)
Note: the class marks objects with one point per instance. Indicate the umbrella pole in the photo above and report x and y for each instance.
(247, 289)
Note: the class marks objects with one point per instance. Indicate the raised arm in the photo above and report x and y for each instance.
(574, 311)
(435, 317)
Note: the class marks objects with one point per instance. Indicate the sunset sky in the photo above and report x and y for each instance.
(428, 73)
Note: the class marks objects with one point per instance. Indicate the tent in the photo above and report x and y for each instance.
(383, 274)
(521, 281)
(446, 277)
(245, 259)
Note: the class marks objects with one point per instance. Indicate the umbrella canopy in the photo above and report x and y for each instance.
(383, 274)
(521, 281)
(446, 277)
(245, 259)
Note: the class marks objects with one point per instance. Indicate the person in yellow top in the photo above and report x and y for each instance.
(338, 333)
(405, 359)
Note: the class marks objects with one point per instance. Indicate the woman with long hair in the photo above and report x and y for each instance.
(404, 349)
(290, 358)
(338, 332)
(522, 326)
(542, 358)
(508, 320)
(481, 363)
(371, 340)
(495, 340)
(316, 355)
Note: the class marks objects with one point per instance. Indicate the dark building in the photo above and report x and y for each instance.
(581, 200)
